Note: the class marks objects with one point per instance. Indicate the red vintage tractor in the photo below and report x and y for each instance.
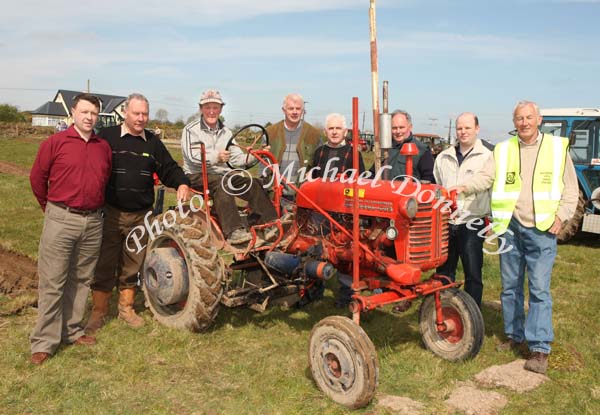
(377, 237)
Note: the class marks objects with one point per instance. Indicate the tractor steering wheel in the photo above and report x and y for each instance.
(253, 138)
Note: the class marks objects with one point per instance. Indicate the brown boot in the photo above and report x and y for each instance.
(100, 300)
(126, 311)
(538, 363)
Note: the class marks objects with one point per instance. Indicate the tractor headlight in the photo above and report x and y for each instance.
(391, 233)
(409, 207)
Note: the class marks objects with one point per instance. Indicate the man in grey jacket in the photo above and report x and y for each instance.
(453, 166)
(224, 183)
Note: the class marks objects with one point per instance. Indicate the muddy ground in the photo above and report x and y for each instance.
(18, 273)
(18, 282)
(14, 169)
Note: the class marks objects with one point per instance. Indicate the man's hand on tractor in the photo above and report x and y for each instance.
(224, 156)
(183, 192)
(457, 189)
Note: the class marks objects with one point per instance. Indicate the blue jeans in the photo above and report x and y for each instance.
(464, 243)
(534, 251)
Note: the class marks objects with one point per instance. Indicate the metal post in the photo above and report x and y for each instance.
(355, 214)
(386, 152)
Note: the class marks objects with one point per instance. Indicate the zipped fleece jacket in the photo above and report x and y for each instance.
(197, 132)
(448, 173)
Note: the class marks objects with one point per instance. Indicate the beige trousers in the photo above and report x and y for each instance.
(68, 253)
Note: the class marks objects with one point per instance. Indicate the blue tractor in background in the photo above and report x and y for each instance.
(582, 127)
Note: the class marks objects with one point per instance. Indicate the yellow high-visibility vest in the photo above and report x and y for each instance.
(547, 181)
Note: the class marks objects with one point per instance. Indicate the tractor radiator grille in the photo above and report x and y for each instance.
(424, 245)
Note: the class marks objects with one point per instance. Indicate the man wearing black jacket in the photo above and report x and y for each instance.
(137, 154)
(402, 133)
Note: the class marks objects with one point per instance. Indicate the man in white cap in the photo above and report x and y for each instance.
(211, 131)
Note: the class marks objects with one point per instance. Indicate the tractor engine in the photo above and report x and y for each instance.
(400, 223)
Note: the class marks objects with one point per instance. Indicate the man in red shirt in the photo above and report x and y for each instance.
(68, 179)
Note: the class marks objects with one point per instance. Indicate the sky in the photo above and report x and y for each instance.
(441, 57)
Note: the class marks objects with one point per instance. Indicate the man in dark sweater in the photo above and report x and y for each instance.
(332, 159)
(137, 154)
(335, 156)
(402, 133)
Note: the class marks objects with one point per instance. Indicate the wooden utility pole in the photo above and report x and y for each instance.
(375, 84)
(88, 86)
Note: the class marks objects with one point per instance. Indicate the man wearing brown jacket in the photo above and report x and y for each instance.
(293, 141)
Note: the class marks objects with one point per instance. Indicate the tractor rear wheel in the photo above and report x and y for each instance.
(183, 275)
(343, 361)
(573, 225)
(465, 328)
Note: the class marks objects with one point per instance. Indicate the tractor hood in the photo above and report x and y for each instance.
(380, 198)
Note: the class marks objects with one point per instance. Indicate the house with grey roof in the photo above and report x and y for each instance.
(59, 109)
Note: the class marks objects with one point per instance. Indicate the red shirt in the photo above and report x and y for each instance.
(70, 170)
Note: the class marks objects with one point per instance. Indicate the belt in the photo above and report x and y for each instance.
(76, 211)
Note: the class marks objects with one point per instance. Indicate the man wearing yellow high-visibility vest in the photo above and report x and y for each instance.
(534, 192)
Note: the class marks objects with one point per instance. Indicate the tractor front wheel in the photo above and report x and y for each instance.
(183, 275)
(343, 361)
(464, 328)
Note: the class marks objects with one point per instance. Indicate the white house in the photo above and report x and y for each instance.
(59, 109)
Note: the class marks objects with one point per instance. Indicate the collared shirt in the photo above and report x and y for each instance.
(70, 170)
(125, 131)
(537, 139)
(213, 130)
(290, 156)
(341, 144)
(459, 156)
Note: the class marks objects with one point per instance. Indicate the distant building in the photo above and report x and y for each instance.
(59, 109)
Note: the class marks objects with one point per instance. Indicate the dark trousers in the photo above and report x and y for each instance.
(224, 190)
(119, 257)
(465, 244)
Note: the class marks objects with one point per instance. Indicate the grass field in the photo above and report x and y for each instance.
(250, 363)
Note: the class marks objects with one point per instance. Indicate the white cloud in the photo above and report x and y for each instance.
(195, 12)
(489, 47)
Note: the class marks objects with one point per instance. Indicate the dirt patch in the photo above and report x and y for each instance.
(18, 274)
(14, 169)
(472, 401)
(512, 376)
(400, 405)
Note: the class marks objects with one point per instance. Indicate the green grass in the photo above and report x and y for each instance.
(250, 363)
(21, 219)
(19, 151)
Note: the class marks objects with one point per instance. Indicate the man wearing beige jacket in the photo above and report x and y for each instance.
(453, 166)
